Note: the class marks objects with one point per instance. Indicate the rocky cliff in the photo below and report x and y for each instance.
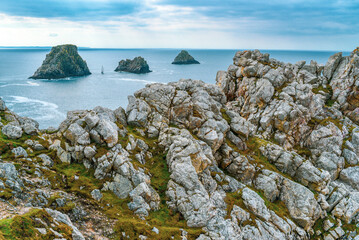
(184, 58)
(136, 65)
(271, 152)
(63, 61)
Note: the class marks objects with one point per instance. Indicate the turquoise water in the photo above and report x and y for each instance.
(47, 101)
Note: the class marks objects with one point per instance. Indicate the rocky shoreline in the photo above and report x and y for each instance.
(269, 152)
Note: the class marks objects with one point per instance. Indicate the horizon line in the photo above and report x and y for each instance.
(135, 48)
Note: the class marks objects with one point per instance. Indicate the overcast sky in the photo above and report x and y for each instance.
(222, 24)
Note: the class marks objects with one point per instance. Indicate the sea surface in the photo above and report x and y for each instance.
(48, 101)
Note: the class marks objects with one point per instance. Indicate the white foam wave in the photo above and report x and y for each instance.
(35, 84)
(36, 109)
(136, 80)
(20, 99)
(28, 83)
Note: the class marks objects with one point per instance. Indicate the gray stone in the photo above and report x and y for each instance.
(108, 132)
(121, 188)
(350, 176)
(331, 65)
(348, 207)
(12, 131)
(301, 203)
(63, 218)
(2, 105)
(19, 152)
(154, 229)
(96, 194)
(46, 160)
(255, 204)
(89, 152)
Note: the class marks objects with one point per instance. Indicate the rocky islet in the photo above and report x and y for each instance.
(184, 58)
(136, 65)
(269, 152)
(63, 61)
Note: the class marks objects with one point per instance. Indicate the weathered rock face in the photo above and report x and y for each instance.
(63, 61)
(184, 58)
(15, 126)
(268, 153)
(136, 65)
(304, 122)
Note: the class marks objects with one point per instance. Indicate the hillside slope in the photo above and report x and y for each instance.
(270, 152)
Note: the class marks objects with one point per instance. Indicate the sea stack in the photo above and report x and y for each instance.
(137, 65)
(184, 58)
(62, 61)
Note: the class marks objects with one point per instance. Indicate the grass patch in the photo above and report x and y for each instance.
(315, 122)
(225, 116)
(24, 227)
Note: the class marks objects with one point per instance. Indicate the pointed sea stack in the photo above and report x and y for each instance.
(184, 58)
(137, 65)
(62, 61)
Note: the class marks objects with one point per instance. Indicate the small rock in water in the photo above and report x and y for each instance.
(137, 65)
(184, 58)
(63, 61)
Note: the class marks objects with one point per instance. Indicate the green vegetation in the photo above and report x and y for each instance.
(225, 116)
(23, 227)
(303, 151)
(328, 90)
(277, 206)
(315, 122)
(164, 219)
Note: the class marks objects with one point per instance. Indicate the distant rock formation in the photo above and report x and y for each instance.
(137, 65)
(184, 58)
(63, 61)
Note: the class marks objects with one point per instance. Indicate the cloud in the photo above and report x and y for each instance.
(274, 24)
(69, 9)
(290, 17)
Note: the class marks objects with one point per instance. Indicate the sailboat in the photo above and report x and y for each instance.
(102, 70)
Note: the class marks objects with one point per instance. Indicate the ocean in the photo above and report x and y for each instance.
(48, 101)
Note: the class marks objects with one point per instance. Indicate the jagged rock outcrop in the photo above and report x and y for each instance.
(15, 126)
(268, 153)
(63, 61)
(184, 58)
(136, 65)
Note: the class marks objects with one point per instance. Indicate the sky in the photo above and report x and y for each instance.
(209, 24)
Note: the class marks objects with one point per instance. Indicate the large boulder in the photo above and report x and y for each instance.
(301, 203)
(184, 58)
(63, 61)
(63, 218)
(12, 131)
(136, 65)
(350, 176)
